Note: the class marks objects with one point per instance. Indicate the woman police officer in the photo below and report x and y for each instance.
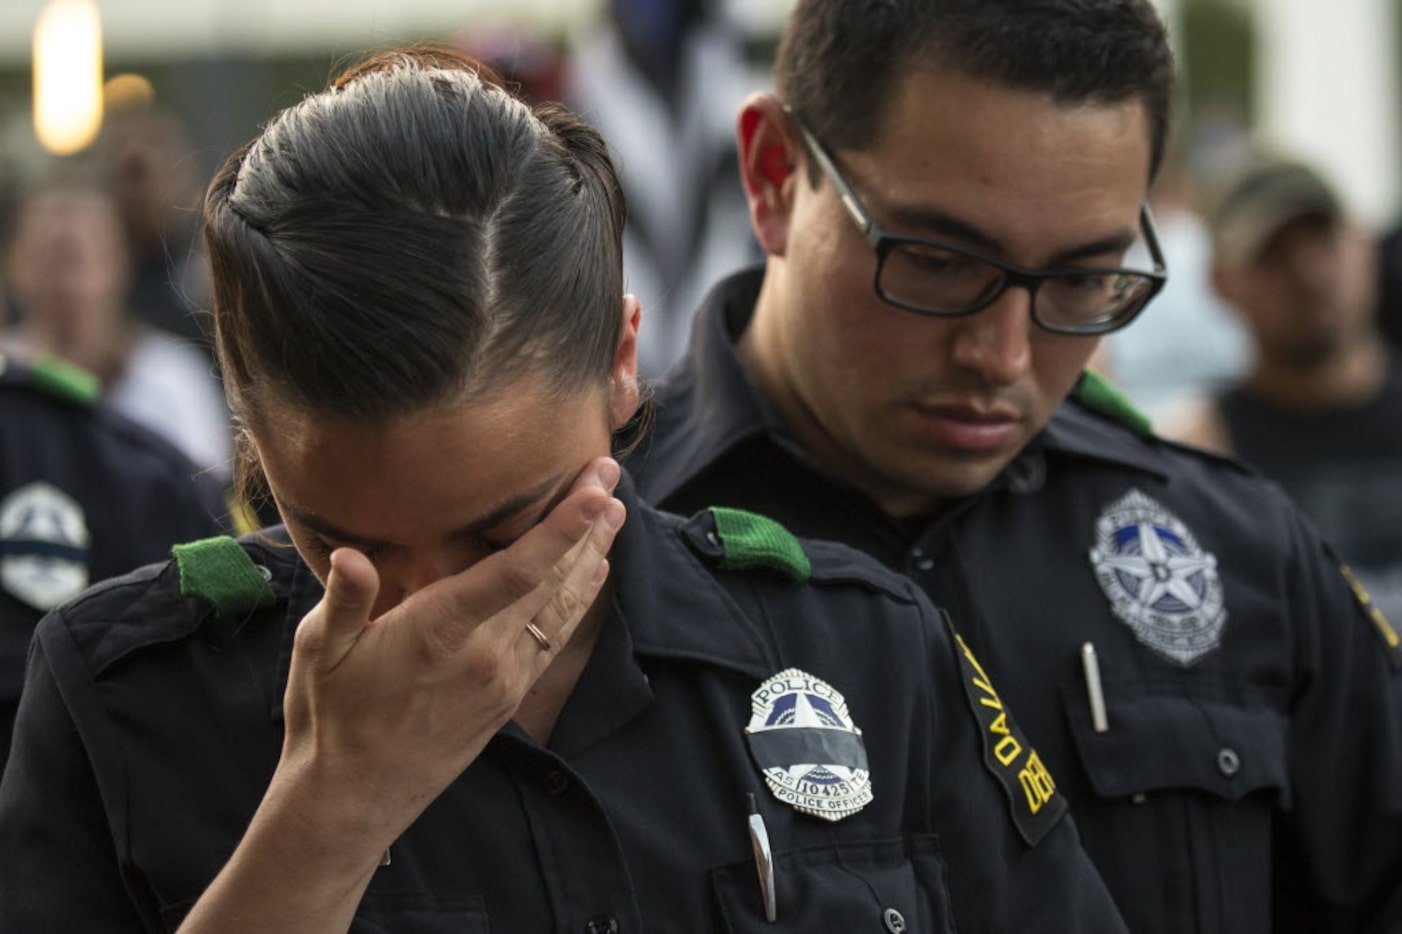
(469, 697)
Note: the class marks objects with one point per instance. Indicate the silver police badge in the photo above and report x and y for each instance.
(805, 744)
(1159, 580)
(43, 545)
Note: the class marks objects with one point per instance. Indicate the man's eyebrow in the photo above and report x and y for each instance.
(941, 225)
(507, 509)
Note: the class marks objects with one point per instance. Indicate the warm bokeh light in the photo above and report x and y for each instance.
(68, 75)
(128, 91)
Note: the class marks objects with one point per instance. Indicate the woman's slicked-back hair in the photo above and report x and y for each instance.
(840, 61)
(411, 236)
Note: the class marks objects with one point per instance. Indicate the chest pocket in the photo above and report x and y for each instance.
(1158, 743)
(883, 886)
(1180, 823)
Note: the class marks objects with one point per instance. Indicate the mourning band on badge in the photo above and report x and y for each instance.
(780, 749)
(810, 753)
(1033, 801)
(36, 548)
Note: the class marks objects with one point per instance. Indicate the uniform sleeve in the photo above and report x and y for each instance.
(1339, 856)
(1008, 839)
(60, 868)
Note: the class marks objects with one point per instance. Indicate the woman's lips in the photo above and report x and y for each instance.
(968, 427)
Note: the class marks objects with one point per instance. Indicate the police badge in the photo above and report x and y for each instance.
(805, 744)
(1158, 579)
(43, 545)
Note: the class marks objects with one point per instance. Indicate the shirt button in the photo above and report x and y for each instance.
(894, 921)
(924, 564)
(603, 924)
(557, 782)
(1228, 762)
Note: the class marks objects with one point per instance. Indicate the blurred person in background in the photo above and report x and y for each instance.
(85, 494)
(156, 181)
(68, 270)
(1320, 409)
(662, 79)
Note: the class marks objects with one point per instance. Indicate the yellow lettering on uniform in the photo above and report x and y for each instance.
(1007, 750)
(1000, 725)
(964, 647)
(1036, 783)
(1379, 620)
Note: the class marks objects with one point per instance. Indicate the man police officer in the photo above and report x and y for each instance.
(948, 193)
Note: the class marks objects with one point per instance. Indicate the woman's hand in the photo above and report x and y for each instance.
(381, 715)
(388, 712)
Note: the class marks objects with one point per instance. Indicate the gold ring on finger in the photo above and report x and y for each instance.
(541, 638)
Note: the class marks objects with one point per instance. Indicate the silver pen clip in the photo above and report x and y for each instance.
(764, 861)
(1096, 694)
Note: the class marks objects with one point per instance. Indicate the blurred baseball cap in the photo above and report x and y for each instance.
(1268, 194)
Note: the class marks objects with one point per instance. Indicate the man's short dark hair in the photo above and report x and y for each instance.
(840, 61)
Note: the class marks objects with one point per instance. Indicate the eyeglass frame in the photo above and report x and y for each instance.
(883, 241)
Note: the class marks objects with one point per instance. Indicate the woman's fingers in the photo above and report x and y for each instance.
(329, 631)
(512, 586)
(580, 574)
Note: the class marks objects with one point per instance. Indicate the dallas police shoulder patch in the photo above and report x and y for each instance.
(44, 544)
(806, 746)
(1033, 801)
(1159, 581)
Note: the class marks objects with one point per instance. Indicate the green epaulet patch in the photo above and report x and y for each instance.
(754, 541)
(218, 571)
(1100, 395)
(65, 381)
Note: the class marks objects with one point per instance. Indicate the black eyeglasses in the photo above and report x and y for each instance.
(944, 280)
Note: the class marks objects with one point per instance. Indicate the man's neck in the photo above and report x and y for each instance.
(759, 350)
(1350, 377)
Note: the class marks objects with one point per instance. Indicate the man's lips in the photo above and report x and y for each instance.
(969, 427)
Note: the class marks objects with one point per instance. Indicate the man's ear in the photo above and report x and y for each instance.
(770, 168)
(623, 378)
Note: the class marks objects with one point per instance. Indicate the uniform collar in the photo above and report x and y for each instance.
(1077, 432)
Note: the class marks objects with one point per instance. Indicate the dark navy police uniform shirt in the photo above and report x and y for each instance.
(1249, 774)
(150, 727)
(85, 494)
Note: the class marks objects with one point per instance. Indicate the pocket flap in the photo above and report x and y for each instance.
(1163, 742)
(882, 885)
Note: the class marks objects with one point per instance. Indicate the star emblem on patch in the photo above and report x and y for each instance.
(1158, 579)
(807, 748)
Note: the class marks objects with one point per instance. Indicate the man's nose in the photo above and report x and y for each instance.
(996, 342)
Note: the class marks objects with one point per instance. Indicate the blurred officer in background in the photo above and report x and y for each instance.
(69, 270)
(950, 193)
(85, 494)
